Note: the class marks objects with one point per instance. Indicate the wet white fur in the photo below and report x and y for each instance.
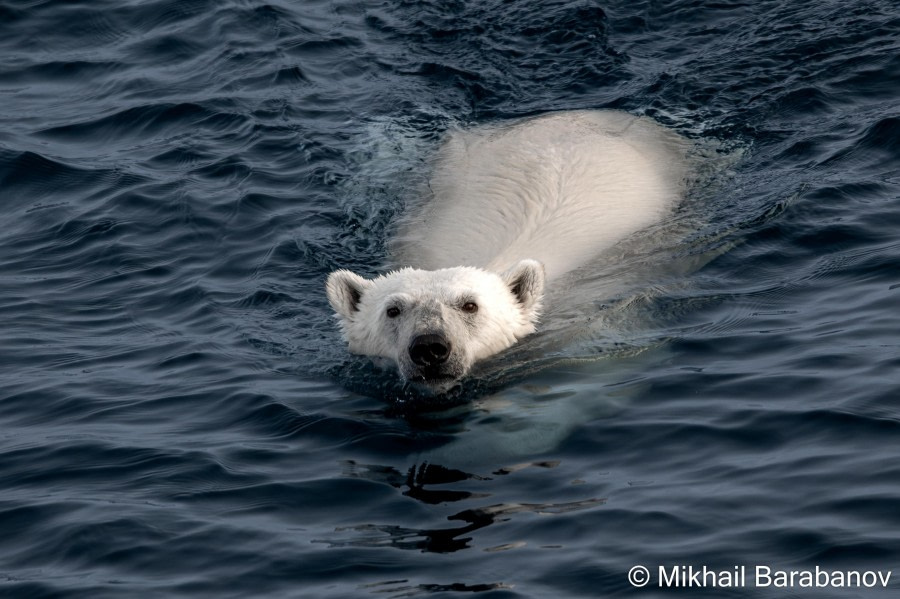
(558, 188)
(555, 190)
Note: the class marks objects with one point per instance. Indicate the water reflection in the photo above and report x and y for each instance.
(416, 483)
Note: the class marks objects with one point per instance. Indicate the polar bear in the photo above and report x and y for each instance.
(509, 208)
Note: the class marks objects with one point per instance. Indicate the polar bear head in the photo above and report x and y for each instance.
(435, 324)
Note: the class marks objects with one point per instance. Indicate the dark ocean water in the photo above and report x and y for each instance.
(179, 417)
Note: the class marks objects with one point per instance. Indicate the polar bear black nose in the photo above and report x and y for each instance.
(429, 350)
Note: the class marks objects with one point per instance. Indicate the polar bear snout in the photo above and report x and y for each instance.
(431, 357)
(428, 351)
(433, 362)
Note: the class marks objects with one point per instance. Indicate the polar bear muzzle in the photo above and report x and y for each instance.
(429, 351)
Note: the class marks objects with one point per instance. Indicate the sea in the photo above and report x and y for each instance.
(179, 416)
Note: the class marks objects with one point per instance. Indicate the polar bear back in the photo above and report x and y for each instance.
(559, 188)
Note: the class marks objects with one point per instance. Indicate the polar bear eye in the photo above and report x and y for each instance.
(470, 307)
(393, 312)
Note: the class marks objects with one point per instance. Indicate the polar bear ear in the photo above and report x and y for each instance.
(345, 290)
(526, 281)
